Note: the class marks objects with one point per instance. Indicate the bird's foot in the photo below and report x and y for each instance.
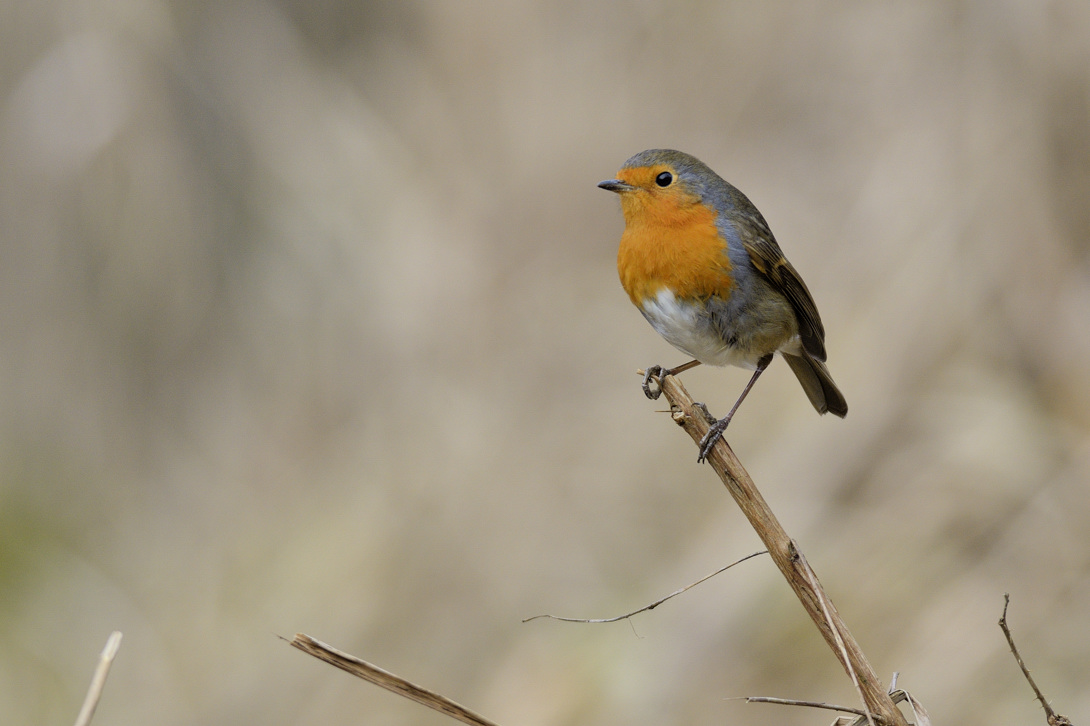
(656, 374)
(715, 432)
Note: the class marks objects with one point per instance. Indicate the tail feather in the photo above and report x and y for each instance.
(818, 384)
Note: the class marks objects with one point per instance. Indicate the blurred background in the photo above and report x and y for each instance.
(310, 321)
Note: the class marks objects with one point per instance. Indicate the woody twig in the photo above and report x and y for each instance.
(786, 554)
(1053, 718)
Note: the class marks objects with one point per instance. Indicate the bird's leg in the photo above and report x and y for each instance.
(658, 373)
(716, 431)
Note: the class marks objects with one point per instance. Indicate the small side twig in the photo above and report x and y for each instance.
(384, 679)
(653, 605)
(806, 704)
(1054, 719)
(98, 680)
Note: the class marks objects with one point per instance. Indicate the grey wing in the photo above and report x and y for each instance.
(769, 261)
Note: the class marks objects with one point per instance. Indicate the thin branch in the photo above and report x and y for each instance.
(786, 555)
(1054, 719)
(98, 681)
(384, 679)
(806, 704)
(653, 605)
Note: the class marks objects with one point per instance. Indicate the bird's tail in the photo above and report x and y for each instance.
(818, 384)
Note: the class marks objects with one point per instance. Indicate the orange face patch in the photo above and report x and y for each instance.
(670, 240)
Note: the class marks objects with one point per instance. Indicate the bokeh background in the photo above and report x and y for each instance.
(309, 321)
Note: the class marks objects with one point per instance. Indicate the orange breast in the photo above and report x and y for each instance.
(671, 242)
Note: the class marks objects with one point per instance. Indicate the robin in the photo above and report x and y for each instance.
(701, 264)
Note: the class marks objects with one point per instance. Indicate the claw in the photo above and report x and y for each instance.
(658, 373)
(655, 373)
(711, 438)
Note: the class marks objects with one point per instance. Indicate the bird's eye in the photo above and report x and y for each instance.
(664, 179)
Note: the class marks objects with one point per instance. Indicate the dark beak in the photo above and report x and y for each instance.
(616, 185)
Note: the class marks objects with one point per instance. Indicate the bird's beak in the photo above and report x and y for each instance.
(616, 185)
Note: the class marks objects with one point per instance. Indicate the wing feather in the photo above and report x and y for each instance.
(768, 260)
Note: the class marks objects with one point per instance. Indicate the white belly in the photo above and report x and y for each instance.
(681, 324)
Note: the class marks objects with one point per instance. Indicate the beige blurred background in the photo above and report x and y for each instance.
(310, 322)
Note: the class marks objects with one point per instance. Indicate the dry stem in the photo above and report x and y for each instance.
(1054, 719)
(396, 684)
(787, 556)
(806, 704)
(98, 681)
(652, 606)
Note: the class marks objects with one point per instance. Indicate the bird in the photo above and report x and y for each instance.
(702, 266)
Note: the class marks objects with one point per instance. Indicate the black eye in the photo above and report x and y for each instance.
(664, 179)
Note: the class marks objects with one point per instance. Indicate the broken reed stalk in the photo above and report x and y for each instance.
(787, 556)
(385, 679)
(98, 680)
